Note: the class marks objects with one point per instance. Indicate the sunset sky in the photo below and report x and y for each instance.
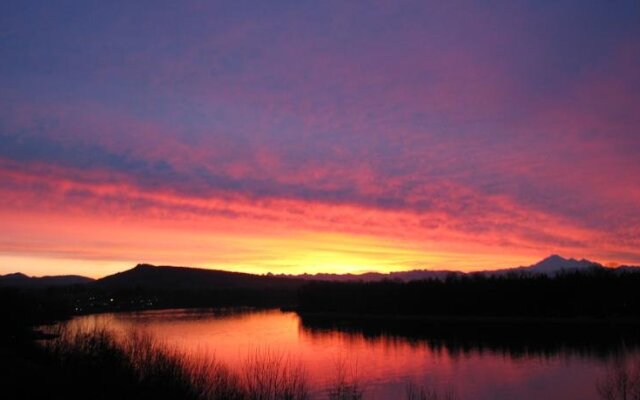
(317, 136)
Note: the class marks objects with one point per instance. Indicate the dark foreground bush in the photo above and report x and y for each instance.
(98, 364)
(622, 381)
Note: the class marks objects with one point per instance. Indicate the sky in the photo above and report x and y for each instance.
(317, 136)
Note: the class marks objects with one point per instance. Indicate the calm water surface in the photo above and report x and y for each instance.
(384, 362)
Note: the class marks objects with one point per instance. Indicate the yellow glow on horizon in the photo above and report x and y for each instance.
(286, 240)
(304, 252)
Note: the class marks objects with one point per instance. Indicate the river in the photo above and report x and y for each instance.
(383, 360)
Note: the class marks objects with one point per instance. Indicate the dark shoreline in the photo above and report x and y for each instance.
(466, 319)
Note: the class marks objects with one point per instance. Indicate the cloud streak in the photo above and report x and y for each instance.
(487, 135)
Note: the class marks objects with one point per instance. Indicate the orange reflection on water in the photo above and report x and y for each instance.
(383, 365)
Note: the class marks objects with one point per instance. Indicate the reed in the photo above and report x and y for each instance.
(414, 392)
(621, 382)
(345, 384)
(99, 364)
(139, 366)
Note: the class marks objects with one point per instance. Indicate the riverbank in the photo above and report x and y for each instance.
(466, 319)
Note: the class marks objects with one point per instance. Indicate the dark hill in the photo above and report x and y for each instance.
(24, 281)
(180, 278)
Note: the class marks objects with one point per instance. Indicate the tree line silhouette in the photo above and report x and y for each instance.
(597, 293)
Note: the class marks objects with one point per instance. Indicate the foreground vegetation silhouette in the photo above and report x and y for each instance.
(621, 382)
(98, 364)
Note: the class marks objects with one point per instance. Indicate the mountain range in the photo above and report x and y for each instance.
(550, 266)
(159, 277)
(21, 280)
